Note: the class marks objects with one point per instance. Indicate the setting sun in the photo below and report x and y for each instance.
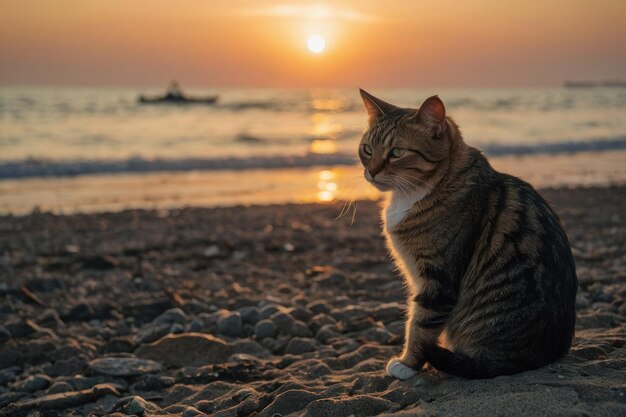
(316, 44)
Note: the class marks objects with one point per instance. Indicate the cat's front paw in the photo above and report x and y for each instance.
(395, 368)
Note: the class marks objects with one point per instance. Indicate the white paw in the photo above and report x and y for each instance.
(397, 369)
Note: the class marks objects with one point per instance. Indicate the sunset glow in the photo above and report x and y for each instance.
(271, 43)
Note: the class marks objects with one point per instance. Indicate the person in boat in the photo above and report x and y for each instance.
(174, 92)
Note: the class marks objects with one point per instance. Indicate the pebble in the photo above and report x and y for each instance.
(266, 311)
(318, 307)
(124, 366)
(300, 329)
(283, 322)
(192, 412)
(196, 326)
(59, 387)
(33, 383)
(302, 314)
(249, 314)
(137, 405)
(264, 328)
(187, 349)
(4, 334)
(320, 320)
(8, 374)
(327, 333)
(300, 345)
(177, 328)
(171, 316)
(230, 324)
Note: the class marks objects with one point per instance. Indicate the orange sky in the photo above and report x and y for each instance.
(262, 43)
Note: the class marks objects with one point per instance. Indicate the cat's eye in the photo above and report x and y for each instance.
(367, 150)
(396, 152)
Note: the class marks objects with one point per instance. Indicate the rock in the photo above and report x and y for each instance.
(63, 400)
(196, 326)
(334, 279)
(177, 328)
(300, 329)
(380, 335)
(320, 320)
(33, 383)
(171, 316)
(389, 312)
(230, 324)
(124, 366)
(318, 307)
(283, 322)
(300, 313)
(327, 333)
(361, 405)
(8, 374)
(249, 314)
(59, 387)
(266, 311)
(264, 328)
(300, 345)
(153, 383)
(5, 334)
(250, 347)
(136, 405)
(192, 412)
(581, 301)
(289, 402)
(187, 349)
(152, 332)
(121, 344)
(397, 327)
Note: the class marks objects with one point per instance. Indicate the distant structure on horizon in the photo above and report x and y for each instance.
(593, 84)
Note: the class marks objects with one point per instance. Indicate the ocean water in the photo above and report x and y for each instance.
(70, 131)
(90, 149)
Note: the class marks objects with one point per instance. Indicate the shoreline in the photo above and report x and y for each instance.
(171, 190)
(87, 297)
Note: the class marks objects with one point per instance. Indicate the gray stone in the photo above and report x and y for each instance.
(327, 333)
(187, 349)
(302, 314)
(63, 400)
(320, 320)
(318, 307)
(300, 329)
(4, 334)
(8, 374)
(59, 387)
(171, 316)
(266, 311)
(249, 314)
(283, 322)
(389, 312)
(33, 383)
(124, 366)
(196, 326)
(152, 332)
(230, 324)
(136, 405)
(192, 412)
(177, 328)
(264, 328)
(300, 345)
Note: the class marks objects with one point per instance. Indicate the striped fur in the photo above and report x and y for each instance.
(484, 257)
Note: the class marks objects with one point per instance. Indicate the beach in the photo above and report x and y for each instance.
(273, 310)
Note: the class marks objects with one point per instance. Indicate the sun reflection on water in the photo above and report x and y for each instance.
(326, 186)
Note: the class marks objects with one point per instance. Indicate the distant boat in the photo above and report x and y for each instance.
(174, 95)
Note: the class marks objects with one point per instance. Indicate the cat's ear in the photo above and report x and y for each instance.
(376, 108)
(432, 114)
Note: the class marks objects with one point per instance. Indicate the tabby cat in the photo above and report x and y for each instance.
(489, 270)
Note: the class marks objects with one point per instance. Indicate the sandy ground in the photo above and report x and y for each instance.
(269, 311)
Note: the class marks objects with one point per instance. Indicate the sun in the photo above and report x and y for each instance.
(316, 44)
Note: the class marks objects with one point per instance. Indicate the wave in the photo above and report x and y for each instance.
(30, 168)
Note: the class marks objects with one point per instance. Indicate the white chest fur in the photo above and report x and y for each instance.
(397, 207)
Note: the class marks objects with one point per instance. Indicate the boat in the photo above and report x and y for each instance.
(174, 95)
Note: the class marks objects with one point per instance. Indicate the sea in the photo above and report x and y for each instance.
(94, 149)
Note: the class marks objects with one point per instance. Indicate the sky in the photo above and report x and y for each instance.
(263, 43)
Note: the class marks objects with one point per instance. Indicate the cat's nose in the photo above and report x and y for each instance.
(374, 170)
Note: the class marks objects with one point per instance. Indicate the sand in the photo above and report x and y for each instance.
(269, 310)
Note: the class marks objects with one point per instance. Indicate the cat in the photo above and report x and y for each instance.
(489, 270)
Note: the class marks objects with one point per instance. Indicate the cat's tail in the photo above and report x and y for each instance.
(460, 364)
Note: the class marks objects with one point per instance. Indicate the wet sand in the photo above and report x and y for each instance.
(269, 310)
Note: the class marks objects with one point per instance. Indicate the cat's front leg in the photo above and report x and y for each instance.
(423, 325)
